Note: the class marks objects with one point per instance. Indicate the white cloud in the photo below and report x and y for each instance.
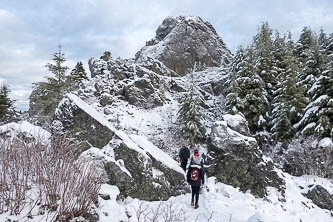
(31, 30)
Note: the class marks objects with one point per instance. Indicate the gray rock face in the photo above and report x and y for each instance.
(97, 67)
(183, 41)
(321, 197)
(143, 93)
(149, 179)
(235, 159)
(72, 120)
(137, 170)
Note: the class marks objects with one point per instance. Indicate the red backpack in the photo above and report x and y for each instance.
(194, 174)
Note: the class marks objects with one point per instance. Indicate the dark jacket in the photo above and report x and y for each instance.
(201, 173)
(184, 154)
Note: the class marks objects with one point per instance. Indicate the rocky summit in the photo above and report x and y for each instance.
(182, 41)
(129, 109)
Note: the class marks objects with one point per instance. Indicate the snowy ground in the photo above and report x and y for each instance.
(224, 203)
(219, 203)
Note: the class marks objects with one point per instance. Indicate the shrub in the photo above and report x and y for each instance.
(37, 177)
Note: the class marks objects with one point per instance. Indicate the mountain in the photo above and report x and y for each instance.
(182, 41)
(124, 120)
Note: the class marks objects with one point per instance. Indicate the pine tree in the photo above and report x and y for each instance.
(263, 57)
(46, 95)
(263, 48)
(318, 118)
(106, 56)
(322, 41)
(233, 91)
(289, 99)
(190, 115)
(5, 102)
(246, 93)
(311, 60)
(77, 76)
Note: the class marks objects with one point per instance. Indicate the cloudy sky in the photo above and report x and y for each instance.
(32, 29)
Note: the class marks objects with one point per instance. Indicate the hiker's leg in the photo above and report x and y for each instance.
(183, 165)
(197, 190)
(193, 192)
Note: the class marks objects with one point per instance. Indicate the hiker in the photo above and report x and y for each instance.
(196, 175)
(184, 155)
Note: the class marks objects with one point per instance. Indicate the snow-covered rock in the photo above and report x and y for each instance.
(325, 143)
(26, 130)
(321, 197)
(237, 123)
(137, 167)
(182, 41)
(235, 159)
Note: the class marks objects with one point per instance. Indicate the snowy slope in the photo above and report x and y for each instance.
(222, 202)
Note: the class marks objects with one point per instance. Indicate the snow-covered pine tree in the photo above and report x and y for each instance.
(311, 60)
(251, 96)
(289, 99)
(190, 114)
(318, 117)
(322, 41)
(77, 76)
(46, 95)
(263, 49)
(233, 91)
(5, 102)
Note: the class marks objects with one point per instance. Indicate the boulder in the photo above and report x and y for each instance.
(237, 123)
(142, 93)
(235, 159)
(321, 197)
(141, 174)
(183, 41)
(97, 67)
(77, 120)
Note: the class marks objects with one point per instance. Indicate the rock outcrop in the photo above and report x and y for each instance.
(73, 119)
(183, 41)
(235, 159)
(137, 167)
(321, 197)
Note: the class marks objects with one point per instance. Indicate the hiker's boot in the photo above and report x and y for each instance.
(196, 206)
(192, 203)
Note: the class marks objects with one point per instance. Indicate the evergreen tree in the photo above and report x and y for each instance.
(263, 48)
(289, 101)
(5, 102)
(77, 76)
(322, 41)
(263, 55)
(311, 60)
(190, 115)
(246, 93)
(318, 118)
(106, 56)
(278, 52)
(233, 91)
(46, 95)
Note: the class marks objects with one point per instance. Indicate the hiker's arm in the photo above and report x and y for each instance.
(180, 154)
(202, 176)
(188, 174)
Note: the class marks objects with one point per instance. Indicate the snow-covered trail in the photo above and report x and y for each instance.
(224, 203)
